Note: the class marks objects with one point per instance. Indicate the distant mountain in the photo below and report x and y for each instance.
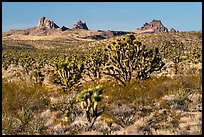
(80, 30)
(155, 26)
(47, 27)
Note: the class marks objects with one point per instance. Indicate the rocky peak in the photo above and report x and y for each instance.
(80, 25)
(173, 30)
(63, 28)
(155, 25)
(46, 23)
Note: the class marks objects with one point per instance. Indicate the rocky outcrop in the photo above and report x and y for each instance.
(119, 33)
(173, 30)
(80, 25)
(96, 37)
(63, 28)
(155, 26)
(46, 23)
(106, 34)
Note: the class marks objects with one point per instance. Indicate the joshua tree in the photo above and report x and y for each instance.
(174, 51)
(94, 63)
(127, 55)
(89, 103)
(38, 76)
(68, 73)
(109, 123)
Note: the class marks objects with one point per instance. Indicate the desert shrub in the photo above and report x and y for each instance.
(181, 95)
(140, 97)
(66, 105)
(14, 126)
(136, 89)
(181, 99)
(137, 99)
(127, 55)
(21, 102)
(10, 125)
(161, 119)
(193, 82)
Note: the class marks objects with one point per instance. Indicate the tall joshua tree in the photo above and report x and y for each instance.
(127, 55)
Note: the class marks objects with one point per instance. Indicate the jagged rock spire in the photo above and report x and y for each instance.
(45, 22)
(156, 25)
(80, 25)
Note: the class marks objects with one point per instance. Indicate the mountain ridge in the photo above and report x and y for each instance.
(47, 27)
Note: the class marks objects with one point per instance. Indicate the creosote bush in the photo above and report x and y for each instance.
(21, 103)
(139, 97)
(162, 119)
